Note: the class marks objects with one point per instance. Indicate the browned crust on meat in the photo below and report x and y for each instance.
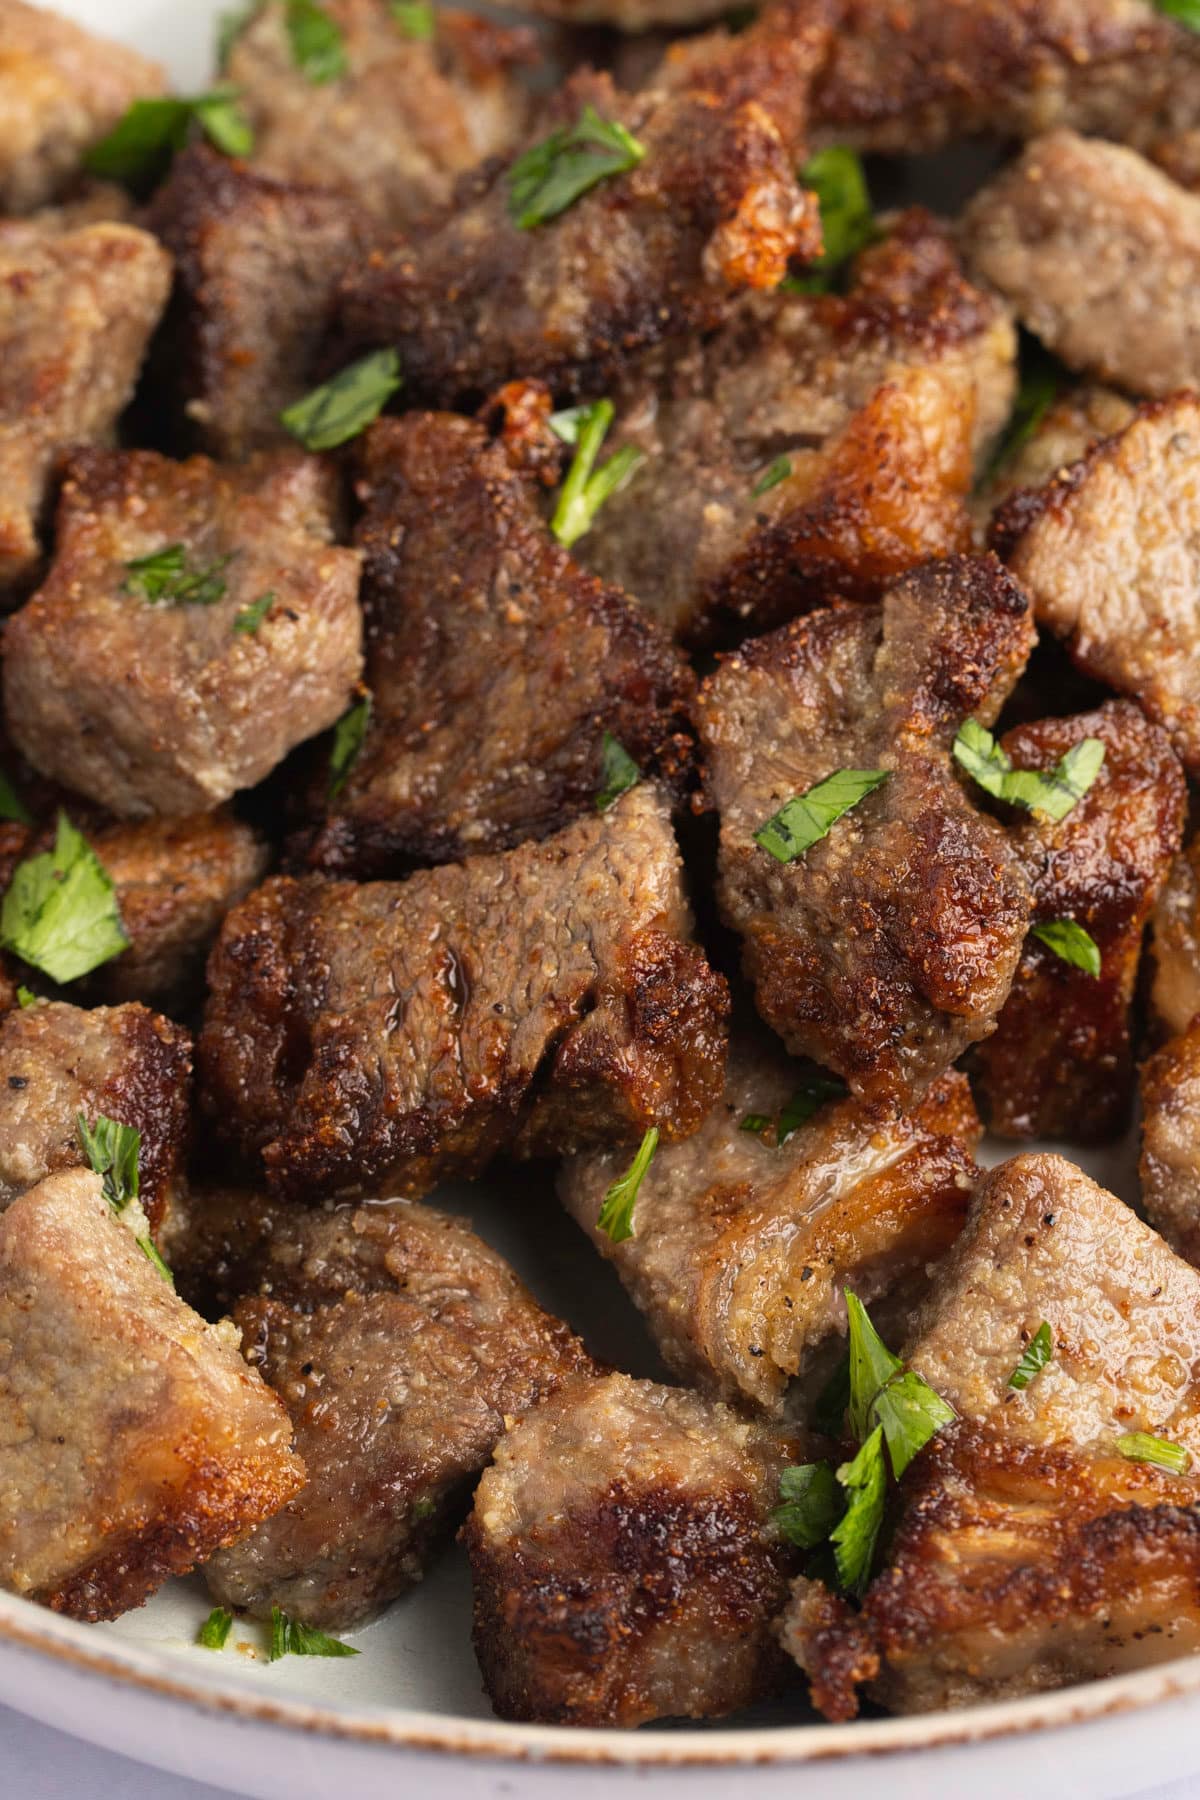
(1170, 1160)
(832, 1644)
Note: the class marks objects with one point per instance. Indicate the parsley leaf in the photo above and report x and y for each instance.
(811, 1504)
(854, 1537)
(587, 488)
(139, 149)
(348, 736)
(871, 1364)
(1140, 1446)
(1186, 11)
(290, 1638)
(215, 1629)
(779, 471)
(249, 618)
(317, 46)
(11, 804)
(111, 1151)
(164, 578)
(552, 175)
(340, 408)
(25, 998)
(414, 17)
(1070, 941)
(60, 912)
(806, 818)
(616, 1214)
(756, 1122)
(1042, 379)
(836, 176)
(1051, 792)
(618, 773)
(882, 1390)
(806, 1101)
(1034, 1357)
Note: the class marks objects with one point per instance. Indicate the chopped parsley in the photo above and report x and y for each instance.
(315, 40)
(111, 1151)
(60, 913)
(806, 818)
(836, 176)
(616, 1214)
(618, 773)
(164, 578)
(11, 804)
(1071, 942)
(757, 1123)
(249, 618)
(811, 1504)
(339, 409)
(779, 471)
(215, 1630)
(552, 175)
(587, 487)
(864, 1481)
(348, 736)
(1051, 792)
(1034, 1357)
(1141, 1447)
(807, 1100)
(1187, 12)
(1042, 379)
(139, 149)
(291, 1638)
(25, 998)
(414, 17)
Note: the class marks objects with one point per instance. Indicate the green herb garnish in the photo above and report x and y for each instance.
(1187, 12)
(618, 773)
(249, 618)
(806, 1101)
(25, 998)
(779, 471)
(1141, 1447)
(587, 487)
(1070, 941)
(139, 149)
(111, 1151)
(215, 1630)
(60, 912)
(339, 409)
(864, 1480)
(1051, 792)
(1034, 1357)
(11, 804)
(414, 17)
(348, 736)
(836, 176)
(290, 1638)
(164, 578)
(806, 819)
(616, 1214)
(811, 1504)
(317, 46)
(555, 173)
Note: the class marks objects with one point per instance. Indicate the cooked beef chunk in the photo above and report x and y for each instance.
(1110, 553)
(1170, 1166)
(876, 404)
(543, 999)
(712, 208)
(1178, 154)
(1076, 420)
(134, 1441)
(742, 1243)
(399, 121)
(57, 1061)
(918, 75)
(61, 90)
(256, 265)
(891, 944)
(623, 1561)
(76, 312)
(401, 1345)
(1060, 1061)
(206, 707)
(497, 665)
(1099, 252)
(1175, 944)
(1030, 1552)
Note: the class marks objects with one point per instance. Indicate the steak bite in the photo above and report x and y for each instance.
(1031, 1552)
(496, 664)
(916, 76)
(156, 567)
(543, 999)
(400, 117)
(257, 262)
(58, 1061)
(890, 945)
(61, 91)
(1060, 1061)
(1170, 1164)
(77, 308)
(401, 1345)
(1110, 553)
(814, 446)
(624, 1565)
(744, 1238)
(712, 208)
(1175, 944)
(134, 1441)
(1099, 252)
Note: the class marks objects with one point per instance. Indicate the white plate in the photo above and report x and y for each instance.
(410, 1709)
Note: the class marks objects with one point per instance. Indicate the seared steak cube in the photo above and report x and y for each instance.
(496, 664)
(1175, 943)
(1170, 1165)
(401, 1345)
(58, 1061)
(815, 446)
(76, 312)
(1099, 252)
(158, 565)
(401, 117)
(257, 261)
(1060, 1061)
(61, 90)
(624, 1564)
(1110, 553)
(745, 1235)
(542, 999)
(134, 1441)
(889, 945)
(1035, 1548)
